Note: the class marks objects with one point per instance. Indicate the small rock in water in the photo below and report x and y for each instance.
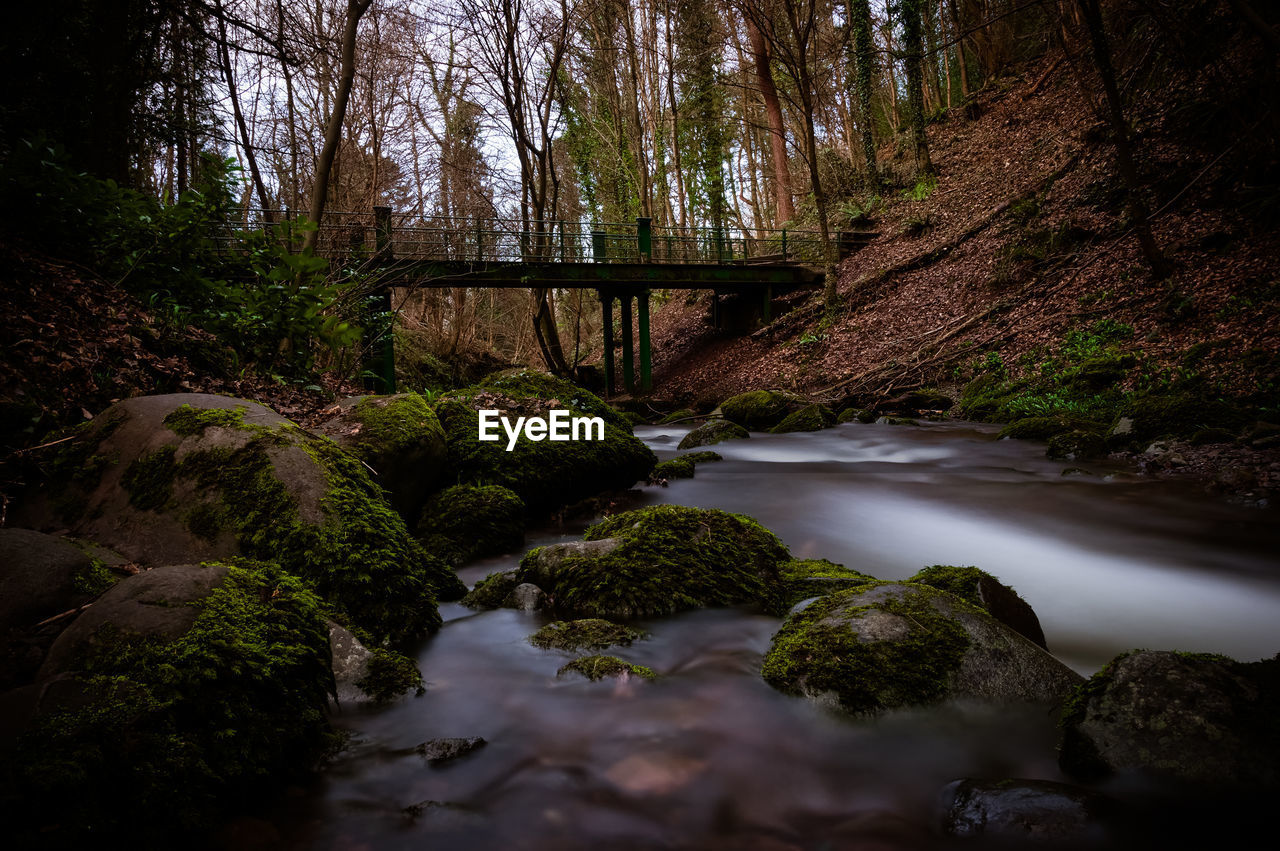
(442, 750)
(527, 597)
(1023, 810)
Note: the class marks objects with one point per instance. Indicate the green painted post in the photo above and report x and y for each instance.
(598, 246)
(382, 233)
(717, 234)
(606, 308)
(562, 241)
(628, 359)
(784, 245)
(767, 308)
(479, 241)
(646, 376)
(644, 238)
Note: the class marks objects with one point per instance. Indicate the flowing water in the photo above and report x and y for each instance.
(709, 756)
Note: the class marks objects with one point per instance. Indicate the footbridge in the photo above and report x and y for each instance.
(622, 262)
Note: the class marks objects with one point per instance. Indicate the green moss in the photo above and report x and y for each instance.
(545, 475)
(169, 731)
(849, 415)
(713, 432)
(812, 418)
(492, 591)
(677, 468)
(1036, 428)
(670, 558)
(467, 522)
(701, 457)
(1180, 414)
(815, 653)
(634, 419)
(1077, 446)
(897, 421)
(757, 409)
(598, 667)
(392, 425)
(814, 577)
(531, 384)
(584, 634)
(93, 579)
(388, 675)
(186, 420)
(204, 520)
(960, 581)
(678, 416)
(149, 479)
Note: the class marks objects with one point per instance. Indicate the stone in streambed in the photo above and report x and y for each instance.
(712, 432)
(986, 592)
(437, 751)
(1025, 811)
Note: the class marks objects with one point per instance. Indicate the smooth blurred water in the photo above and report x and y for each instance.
(709, 756)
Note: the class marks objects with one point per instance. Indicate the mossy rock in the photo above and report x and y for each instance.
(532, 384)
(1099, 373)
(544, 474)
(1177, 414)
(493, 591)
(812, 418)
(860, 415)
(658, 561)
(805, 578)
(758, 409)
(982, 398)
(917, 401)
(598, 667)
(889, 645)
(1077, 446)
(634, 418)
(712, 432)
(193, 477)
(682, 415)
(701, 457)
(1036, 428)
(1195, 717)
(184, 691)
(44, 575)
(400, 438)
(896, 421)
(1212, 437)
(976, 586)
(466, 522)
(584, 634)
(676, 468)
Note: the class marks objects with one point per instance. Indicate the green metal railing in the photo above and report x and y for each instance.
(406, 236)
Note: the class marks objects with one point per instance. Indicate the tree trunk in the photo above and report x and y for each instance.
(333, 132)
(777, 130)
(1137, 209)
(864, 56)
(913, 50)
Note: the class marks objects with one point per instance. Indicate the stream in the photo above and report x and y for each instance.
(709, 756)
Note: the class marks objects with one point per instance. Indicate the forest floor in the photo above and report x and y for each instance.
(1021, 241)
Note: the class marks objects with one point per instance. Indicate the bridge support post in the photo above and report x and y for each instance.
(628, 358)
(382, 233)
(606, 315)
(644, 238)
(646, 371)
(766, 307)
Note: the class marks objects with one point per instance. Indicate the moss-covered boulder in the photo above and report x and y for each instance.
(191, 477)
(859, 415)
(907, 421)
(1077, 446)
(891, 645)
(702, 457)
(1194, 717)
(811, 418)
(182, 690)
(712, 432)
(658, 561)
(1180, 414)
(44, 575)
(584, 634)
(983, 590)
(400, 438)
(1037, 428)
(680, 416)
(544, 474)
(676, 468)
(917, 402)
(804, 578)
(759, 409)
(599, 667)
(494, 591)
(467, 522)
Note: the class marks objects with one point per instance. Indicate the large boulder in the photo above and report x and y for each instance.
(759, 409)
(891, 645)
(467, 522)
(400, 438)
(182, 690)
(811, 418)
(1194, 717)
(192, 477)
(986, 592)
(657, 561)
(804, 579)
(545, 474)
(712, 432)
